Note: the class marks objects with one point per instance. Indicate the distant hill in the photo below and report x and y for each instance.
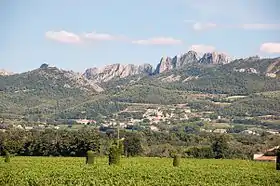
(39, 90)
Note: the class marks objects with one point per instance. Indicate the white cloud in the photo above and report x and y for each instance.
(261, 26)
(100, 36)
(202, 48)
(63, 36)
(204, 26)
(271, 48)
(158, 41)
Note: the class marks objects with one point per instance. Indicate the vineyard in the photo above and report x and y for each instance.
(50, 171)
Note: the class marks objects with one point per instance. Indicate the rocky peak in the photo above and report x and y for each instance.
(165, 64)
(146, 68)
(44, 65)
(189, 57)
(214, 58)
(109, 72)
(5, 73)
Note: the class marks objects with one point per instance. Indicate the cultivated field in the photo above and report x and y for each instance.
(48, 171)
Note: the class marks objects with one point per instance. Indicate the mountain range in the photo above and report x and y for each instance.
(112, 71)
(52, 92)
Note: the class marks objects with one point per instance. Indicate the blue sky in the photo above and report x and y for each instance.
(78, 34)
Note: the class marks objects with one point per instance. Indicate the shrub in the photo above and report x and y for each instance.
(176, 160)
(200, 152)
(278, 159)
(90, 157)
(114, 155)
(7, 157)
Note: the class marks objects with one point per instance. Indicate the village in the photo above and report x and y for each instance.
(156, 118)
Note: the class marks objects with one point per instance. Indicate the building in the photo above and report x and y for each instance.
(248, 132)
(268, 155)
(221, 131)
(85, 121)
(154, 128)
(272, 132)
(261, 157)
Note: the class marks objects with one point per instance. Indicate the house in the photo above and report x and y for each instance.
(205, 130)
(268, 155)
(248, 132)
(272, 132)
(85, 121)
(206, 119)
(28, 128)
(261, 157)
(221, 131)
(19, 127)
(154, 128)
(272, 75)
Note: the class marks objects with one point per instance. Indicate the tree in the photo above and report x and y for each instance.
(200, 152)
(7, 157)
(132, 145)
(90, 157)
(176, 160)
(278, 159)
(220, 146)
(115, 154)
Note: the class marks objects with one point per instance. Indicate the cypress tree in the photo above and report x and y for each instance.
(115, 153)
(7, 157)
(176, 160)
(90, 157)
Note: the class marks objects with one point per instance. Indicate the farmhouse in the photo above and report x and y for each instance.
(85, 121)
(268, 155)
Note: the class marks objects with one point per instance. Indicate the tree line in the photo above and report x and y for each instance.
(138, 143)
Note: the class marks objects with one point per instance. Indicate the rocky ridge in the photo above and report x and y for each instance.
(110, 72)
(214, 58)
(117, 70)
(179, 61)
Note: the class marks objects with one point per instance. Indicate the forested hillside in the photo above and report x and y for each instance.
(52, 92)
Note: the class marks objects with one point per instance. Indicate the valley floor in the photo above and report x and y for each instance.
(56, 171)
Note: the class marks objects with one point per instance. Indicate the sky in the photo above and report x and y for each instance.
(80, 34)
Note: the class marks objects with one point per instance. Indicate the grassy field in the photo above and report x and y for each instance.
(49, 171)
